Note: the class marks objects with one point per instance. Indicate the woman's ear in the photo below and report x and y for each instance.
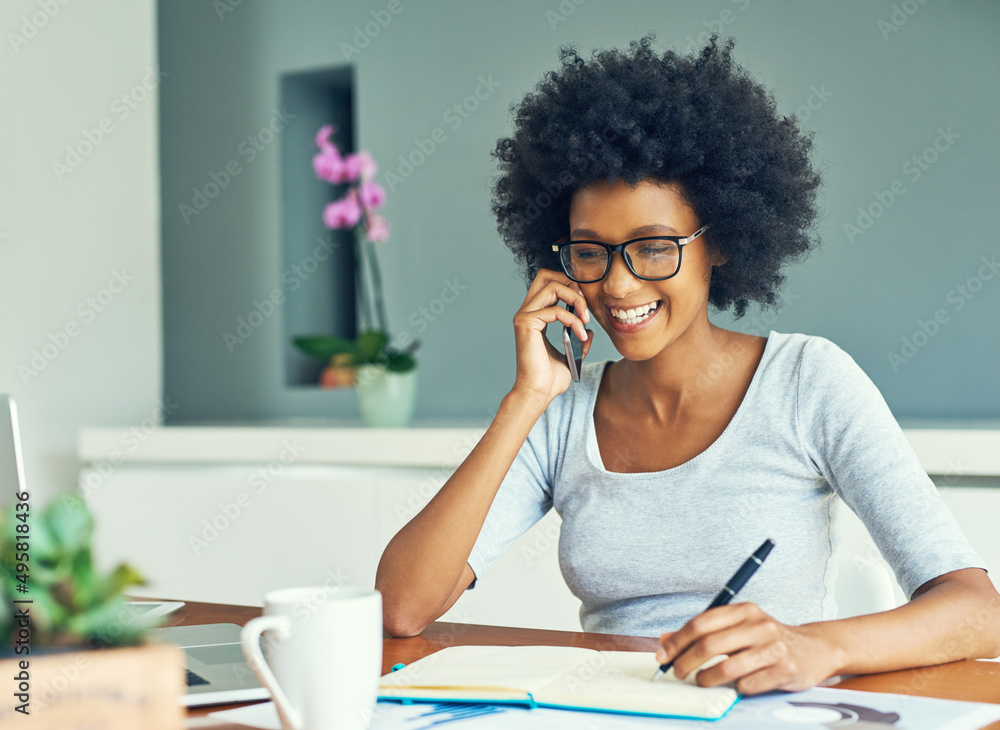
(717, 257)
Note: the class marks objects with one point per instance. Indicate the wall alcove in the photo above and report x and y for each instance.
(317, 263)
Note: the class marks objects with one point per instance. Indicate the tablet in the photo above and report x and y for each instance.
(152, 609)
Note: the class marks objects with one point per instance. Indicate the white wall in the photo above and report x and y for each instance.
(229, 533)
(63, 68)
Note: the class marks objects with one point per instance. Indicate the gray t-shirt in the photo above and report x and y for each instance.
(645, 552)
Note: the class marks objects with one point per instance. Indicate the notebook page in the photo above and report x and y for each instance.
(484, 668)
(622, 681)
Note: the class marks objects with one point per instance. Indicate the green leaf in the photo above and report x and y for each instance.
(49, 572)
(71, 601)
(400, 362)
(7, 617)
(121, 578)
(47, 616)
(83, 582)
(44, 547)
(371, 344)
(323, 347)
(111, 623)
(70, 522)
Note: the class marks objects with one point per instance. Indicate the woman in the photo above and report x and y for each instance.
(638, 188)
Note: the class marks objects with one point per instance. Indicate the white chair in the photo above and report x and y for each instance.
(865, 582)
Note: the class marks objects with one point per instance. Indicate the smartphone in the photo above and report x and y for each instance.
(573, 349)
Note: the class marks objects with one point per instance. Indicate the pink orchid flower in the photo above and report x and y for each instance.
(343, 213)
(360, 164)
(372, 195)
(329, 166)
(367, 165)
(378, 229)
(352, 168)
(323, 137)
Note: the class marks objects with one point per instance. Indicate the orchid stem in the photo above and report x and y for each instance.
(361, 288)
(376, 275)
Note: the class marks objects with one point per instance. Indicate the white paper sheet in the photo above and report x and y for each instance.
(392, 715)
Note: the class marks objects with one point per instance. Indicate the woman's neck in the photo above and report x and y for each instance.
(680, 379)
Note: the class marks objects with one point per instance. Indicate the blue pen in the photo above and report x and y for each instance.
(731, 588)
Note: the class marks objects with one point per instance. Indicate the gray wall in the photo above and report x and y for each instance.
(886, 89)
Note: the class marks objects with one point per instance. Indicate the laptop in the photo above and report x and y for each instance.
(11, 461)
(217, 673)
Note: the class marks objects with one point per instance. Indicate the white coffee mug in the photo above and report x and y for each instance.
(324, 655)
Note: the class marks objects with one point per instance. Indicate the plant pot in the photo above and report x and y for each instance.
(113, 689)
(386, 398)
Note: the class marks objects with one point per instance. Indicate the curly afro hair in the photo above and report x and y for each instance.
(701, 121)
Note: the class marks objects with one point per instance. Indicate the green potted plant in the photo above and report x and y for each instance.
(384, 371)
(72, 603)
(384, 375)
(71, 641)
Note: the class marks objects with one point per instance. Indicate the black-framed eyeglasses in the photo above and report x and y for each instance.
(651, 258)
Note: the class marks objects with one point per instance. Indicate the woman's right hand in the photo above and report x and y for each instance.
(542, 372)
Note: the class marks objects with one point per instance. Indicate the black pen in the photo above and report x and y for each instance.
(731, 588)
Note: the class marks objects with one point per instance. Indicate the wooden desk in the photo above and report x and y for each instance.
(966, 680)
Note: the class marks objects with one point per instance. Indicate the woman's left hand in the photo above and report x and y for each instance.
(763, 654)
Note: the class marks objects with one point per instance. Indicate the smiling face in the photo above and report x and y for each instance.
(642, 317)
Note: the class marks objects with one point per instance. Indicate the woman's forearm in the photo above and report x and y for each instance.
(422, 565)
(955, 616)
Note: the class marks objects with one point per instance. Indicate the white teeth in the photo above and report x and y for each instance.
(636, 315)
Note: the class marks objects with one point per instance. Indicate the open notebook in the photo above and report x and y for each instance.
(555, 676)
